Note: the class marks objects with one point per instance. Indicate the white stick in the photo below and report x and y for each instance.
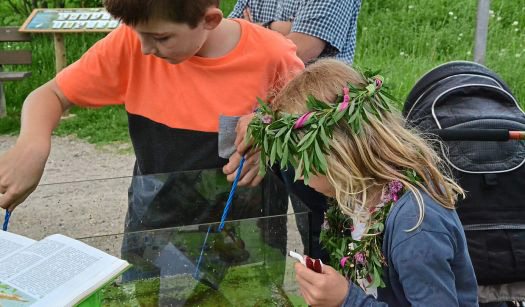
(297, 257)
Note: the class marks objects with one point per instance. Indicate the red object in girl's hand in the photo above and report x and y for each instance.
(313, 264)
(308, 262)
(318, 266)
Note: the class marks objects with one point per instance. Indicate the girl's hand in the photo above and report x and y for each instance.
(327, 289)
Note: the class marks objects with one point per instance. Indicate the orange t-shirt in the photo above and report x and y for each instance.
(174, 108)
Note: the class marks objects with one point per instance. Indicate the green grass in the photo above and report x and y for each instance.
(404, 39)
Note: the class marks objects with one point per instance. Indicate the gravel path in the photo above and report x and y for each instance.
(78, 209)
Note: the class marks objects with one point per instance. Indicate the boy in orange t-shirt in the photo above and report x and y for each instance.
(176, 65)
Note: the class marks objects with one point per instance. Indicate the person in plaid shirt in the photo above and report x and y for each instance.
(319, 28)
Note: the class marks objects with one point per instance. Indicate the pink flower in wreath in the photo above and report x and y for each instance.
(346, 100)
(360, 258)
(302, 120)
(267, 119)
(343, 261)
(394, 187)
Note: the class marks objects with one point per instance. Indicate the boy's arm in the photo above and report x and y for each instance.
(21, 167)
(308, 47)
(98, 78)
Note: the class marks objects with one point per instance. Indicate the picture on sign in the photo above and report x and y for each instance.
(94, 19)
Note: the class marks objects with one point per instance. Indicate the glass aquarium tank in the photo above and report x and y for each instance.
(168, 227)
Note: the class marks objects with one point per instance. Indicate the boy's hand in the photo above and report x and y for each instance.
(21, 168)
(250, 171)
(327, 289)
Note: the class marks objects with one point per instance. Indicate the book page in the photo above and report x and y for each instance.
(58, 270)
(11, 243)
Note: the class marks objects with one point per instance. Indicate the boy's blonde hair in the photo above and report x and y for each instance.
(381, 153)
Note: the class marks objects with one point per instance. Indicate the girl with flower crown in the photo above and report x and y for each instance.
(393, 231)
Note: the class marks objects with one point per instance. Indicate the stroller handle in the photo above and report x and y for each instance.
(452, 134)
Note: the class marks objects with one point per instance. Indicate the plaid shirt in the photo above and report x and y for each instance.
(333, 21)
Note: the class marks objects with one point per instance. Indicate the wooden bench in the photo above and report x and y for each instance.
(12, 57)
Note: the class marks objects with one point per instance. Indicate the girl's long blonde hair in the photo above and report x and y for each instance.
(381, 153)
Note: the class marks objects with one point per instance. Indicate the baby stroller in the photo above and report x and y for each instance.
(480, 122)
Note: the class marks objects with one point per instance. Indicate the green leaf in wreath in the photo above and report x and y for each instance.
(324, 137)
(273, 153)
(371, 88)
(264, 106)
(338, 115)
(320, 156)
(287, 136)
(306, 160)
(284, 159)
(376, 279)
(279, 147)
(375, 260)
(282, 131)
(310, 140)
(305, 138)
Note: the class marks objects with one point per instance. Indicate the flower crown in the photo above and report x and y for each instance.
(276, 133)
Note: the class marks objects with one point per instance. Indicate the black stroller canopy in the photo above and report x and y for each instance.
(470, 97)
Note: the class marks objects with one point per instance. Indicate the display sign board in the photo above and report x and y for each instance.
(69, 20)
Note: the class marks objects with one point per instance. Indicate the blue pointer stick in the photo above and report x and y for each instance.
(230, 198)
(6, 219)
(224, 215)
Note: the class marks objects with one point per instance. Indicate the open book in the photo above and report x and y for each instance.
(56, 271)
